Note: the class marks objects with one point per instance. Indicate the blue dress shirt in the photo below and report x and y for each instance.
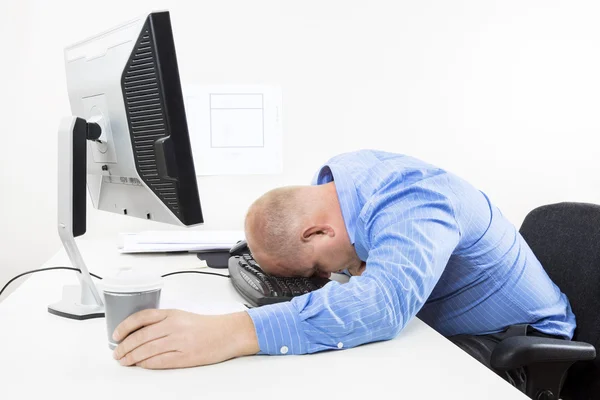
(434, 247)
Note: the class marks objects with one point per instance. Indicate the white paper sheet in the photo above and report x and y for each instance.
(235, 129)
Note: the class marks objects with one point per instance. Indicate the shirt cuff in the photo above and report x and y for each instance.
(278, 329)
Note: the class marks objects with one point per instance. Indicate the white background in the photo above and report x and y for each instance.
(504, 93)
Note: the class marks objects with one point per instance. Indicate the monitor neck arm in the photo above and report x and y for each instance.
(81, 301)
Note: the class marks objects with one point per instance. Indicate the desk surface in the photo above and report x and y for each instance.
(47, 356)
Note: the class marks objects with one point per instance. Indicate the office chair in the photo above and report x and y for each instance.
(565, 237)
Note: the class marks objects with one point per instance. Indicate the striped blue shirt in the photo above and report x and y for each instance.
(434, 247)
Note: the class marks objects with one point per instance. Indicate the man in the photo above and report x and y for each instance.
(419, 240)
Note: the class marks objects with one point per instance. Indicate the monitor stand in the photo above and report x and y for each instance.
(81, 301)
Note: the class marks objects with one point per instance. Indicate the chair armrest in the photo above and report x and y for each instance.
(520, 351)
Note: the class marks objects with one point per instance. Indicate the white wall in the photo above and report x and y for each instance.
(504, 93)
(22, 199)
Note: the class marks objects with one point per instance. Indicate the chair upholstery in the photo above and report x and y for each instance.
(565, 237)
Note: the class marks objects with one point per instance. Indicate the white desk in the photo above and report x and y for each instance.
(45, 356)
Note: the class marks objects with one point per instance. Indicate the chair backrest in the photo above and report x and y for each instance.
(565, 237)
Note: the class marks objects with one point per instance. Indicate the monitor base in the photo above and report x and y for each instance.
(70, 305)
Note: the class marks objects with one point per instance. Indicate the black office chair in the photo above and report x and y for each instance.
(565, 237)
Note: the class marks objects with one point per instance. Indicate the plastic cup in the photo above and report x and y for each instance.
(126, 293)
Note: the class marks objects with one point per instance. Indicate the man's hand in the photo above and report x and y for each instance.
(178, 339)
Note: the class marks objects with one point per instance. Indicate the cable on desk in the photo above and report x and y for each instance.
(98, 277)
(195, 272)
(41, 270)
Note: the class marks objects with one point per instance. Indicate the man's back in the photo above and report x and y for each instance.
(492, 279)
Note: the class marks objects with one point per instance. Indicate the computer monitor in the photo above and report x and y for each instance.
(127, 140)
(127, 80)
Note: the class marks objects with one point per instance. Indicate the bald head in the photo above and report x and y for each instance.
(299, 231)
(274, 222)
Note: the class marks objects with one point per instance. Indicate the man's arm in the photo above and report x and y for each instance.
(412, 239)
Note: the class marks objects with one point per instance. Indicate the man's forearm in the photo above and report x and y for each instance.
(244, 334)
(333, 317)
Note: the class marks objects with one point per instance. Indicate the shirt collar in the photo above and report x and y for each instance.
(346, 192)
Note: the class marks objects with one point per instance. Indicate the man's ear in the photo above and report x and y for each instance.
(316, 230)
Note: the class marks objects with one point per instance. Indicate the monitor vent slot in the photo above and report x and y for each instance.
(146, 117)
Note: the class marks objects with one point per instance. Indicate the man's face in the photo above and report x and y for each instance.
(322, 262)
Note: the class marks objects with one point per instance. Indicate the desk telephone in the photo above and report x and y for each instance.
(260, 289)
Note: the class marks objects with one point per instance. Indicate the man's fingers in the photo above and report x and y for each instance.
(173, 359)
(138, 320)
(139, 337)
(148, 350)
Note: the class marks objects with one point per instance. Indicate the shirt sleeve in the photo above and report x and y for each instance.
(413, 233)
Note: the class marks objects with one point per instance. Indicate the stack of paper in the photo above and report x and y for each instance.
(169, 241)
